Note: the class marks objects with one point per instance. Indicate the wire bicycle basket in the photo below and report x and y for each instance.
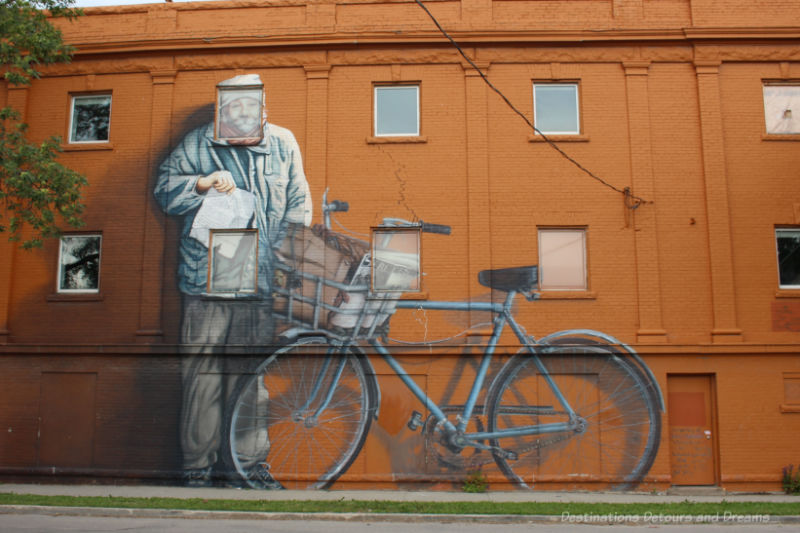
(322, 283)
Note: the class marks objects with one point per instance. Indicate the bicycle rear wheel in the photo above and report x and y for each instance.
(618, 405)
(277, 435)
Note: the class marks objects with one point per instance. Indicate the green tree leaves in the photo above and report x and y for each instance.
(27, 39)
(35, 190)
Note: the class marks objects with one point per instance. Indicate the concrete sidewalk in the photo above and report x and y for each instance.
(147, 491)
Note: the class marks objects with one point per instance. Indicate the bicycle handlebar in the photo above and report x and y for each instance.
(435, 228)
(340, 206)
(424, 226)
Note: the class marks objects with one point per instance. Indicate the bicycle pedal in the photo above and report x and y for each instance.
(509, 455)
(415, 422)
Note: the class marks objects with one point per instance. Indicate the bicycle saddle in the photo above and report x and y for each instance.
(520, 279)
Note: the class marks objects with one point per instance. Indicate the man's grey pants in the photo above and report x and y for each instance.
(209, 375)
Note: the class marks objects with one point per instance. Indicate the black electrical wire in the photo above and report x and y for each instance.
(632, 201)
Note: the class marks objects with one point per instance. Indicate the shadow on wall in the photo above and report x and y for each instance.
(171, 301)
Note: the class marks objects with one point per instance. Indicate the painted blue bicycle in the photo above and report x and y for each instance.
(574, 407)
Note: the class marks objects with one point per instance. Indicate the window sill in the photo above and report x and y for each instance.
(75, 297)
(567, 295)
(411, 139)
(781, 137)
(787, 293)
(559, 138)
(790, 408)
(88, 147)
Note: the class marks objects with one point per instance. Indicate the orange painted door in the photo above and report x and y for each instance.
(690, 405)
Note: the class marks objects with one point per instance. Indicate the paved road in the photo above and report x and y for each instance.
(40, 523)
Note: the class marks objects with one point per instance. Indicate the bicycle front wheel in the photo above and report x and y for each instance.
(611, 442)
(300, 420)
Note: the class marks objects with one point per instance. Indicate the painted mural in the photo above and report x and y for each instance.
(283, 325)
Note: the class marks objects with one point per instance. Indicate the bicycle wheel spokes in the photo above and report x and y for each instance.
(612, 441)
(277, 429)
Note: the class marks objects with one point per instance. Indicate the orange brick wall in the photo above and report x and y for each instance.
(671, 106)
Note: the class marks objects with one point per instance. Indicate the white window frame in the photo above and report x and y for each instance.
(72, 102)
(544, 131)
(210, 273)
(543, 282)
(60, 273)
(376, 90)
(778, 258)
(381, 231)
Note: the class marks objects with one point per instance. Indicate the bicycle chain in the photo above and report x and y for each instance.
(472, 463)
(541, 444)
(475, 464)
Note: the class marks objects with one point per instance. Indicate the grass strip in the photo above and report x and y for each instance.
(382, 506)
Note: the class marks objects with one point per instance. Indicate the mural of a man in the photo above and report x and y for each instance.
(239, 151)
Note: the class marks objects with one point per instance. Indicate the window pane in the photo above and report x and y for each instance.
(562, 259)
(233, 261)
(90, 118)
(556, 108)
(396, 110)
(79, 263)
(395, 260)
(788, 242)
(782, 108)
(239, 113)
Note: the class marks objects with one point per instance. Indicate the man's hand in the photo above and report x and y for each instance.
(221, 180)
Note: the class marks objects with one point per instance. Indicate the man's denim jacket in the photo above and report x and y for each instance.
(271, 170)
